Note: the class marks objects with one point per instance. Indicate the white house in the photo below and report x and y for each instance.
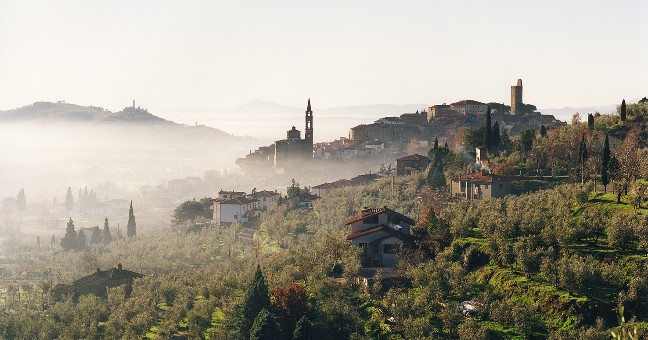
(266, 198)
(381, 233)
(227, 211)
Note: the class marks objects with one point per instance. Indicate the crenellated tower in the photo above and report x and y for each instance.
(516, 98)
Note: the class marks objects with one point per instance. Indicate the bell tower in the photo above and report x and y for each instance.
(308, 133)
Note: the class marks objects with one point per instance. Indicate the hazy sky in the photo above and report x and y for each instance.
(172, 55)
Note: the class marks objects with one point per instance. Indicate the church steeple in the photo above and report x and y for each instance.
(308, 133)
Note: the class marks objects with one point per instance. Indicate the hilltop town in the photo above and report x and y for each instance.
(435, 241)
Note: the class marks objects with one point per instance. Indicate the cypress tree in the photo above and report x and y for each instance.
(265, 327)
(436, 143)
(605, 164)
(130, 227)
(487, 128)
(69, 200)
(496, 134)
(69, 241)
(107, 237)
(582, 158)
(623, 110)
(21, 204)
(590, 122)
(256, 299)
(303, 329)
(543, 130)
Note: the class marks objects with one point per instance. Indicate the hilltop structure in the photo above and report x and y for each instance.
(285, 151)
(516, 98)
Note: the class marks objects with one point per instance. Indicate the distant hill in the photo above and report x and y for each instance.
(65, 112)
(48, 145)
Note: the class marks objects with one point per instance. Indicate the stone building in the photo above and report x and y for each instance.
(469, 107)
(381, 233)
(98, 283)
(285, 151)
(479, 185)
(410, 164)
(436, 111)
(516, 98)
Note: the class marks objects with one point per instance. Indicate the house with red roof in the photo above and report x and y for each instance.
(480, 185)
(381, 233)
(410, 164)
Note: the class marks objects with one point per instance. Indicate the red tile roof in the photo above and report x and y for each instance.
(414, 157)
(370, 231)
(374, 212)
(468, 102)
(239, 201)
(481, 176)
(384, 228)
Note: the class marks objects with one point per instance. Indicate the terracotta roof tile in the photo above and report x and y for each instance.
(374, 212)
(414, 157)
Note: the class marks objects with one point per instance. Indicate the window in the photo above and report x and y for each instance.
(390, 248)
(485, 186)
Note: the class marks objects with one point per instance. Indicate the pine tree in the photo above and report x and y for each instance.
(106, 237)
(623, 111)
(21, 204)
(605, 164)
(69, 241)
(130, 227)
(69, 200)
(495, 140)
(303, 329)
(590, 122)
(488, 134)
(256, 299)
(265, 327)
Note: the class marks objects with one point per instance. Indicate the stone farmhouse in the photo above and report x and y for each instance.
(480, 185)
(410, 164)
(381, 233)
(98, 283)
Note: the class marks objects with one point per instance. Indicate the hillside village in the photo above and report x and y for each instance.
(437, 245)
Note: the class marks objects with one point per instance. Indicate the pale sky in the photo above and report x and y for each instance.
(174, 55)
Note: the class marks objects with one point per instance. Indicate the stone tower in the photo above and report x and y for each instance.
(308, 133)
(516, 98)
